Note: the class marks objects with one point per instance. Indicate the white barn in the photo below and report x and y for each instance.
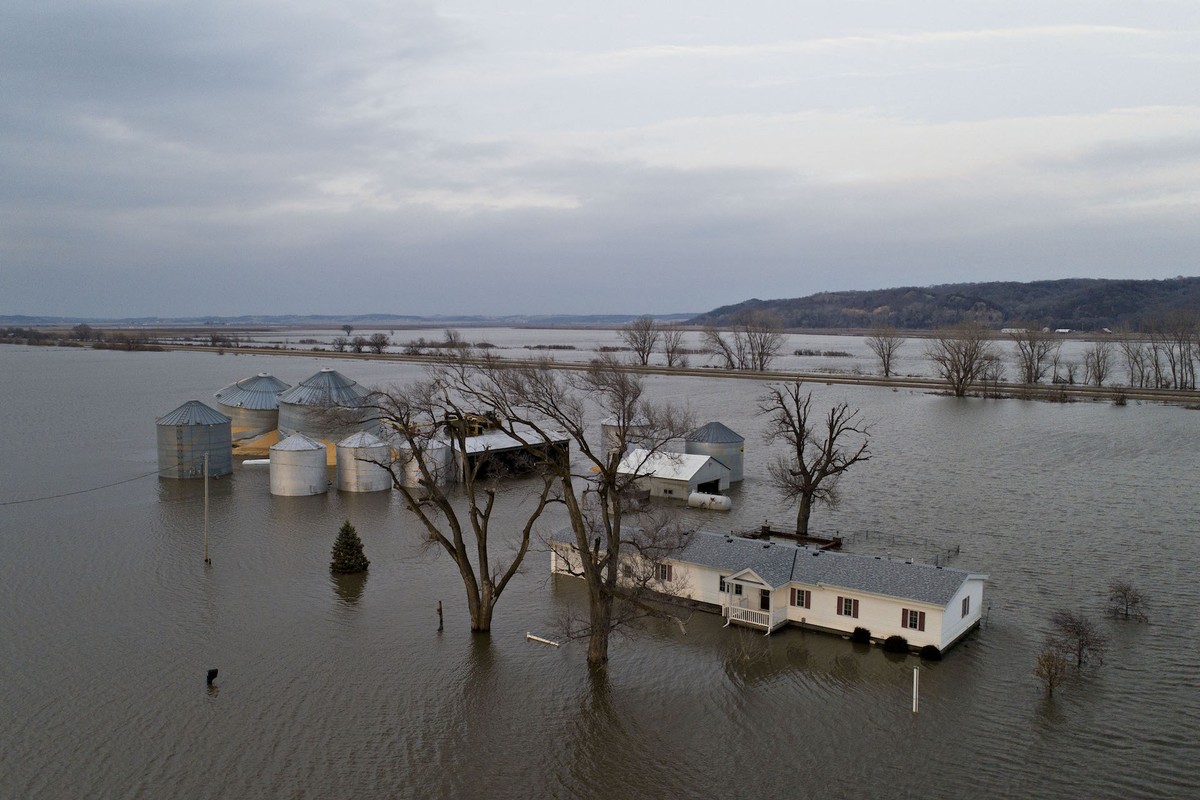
(768, 585)
(674, 475)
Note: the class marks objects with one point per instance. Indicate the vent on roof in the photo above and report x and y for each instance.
(765, 546)
(877, 558)
(816, 553)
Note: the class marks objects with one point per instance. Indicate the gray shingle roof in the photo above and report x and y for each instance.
(193, 412)
(715, 433)
(770, 561)
(782, 563)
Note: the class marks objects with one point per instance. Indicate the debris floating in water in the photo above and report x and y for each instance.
(212, 676)
(530, 637)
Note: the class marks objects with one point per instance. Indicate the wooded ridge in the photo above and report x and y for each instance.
(1084, 304)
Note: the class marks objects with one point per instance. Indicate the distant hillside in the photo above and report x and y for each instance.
(1076, 303)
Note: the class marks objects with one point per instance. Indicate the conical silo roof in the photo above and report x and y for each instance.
(260, 392)
(298, 442)
(715, 433)
(362, 439)
(193, 412)
(327, 387)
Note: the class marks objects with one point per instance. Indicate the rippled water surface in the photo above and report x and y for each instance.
(338, 689)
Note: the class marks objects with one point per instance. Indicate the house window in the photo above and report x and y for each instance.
(801, 598)
(724, 586)
(966, 605)
(912, 619)
(847, 607)
(627, 570)
(764, 599)
(664, 572)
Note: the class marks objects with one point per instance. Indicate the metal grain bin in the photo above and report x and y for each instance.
(438, 455)
(323, 407)
(610, 432)
(298, 467)
(189, 432)
(722, 444)
(252, 404)
(356, 467)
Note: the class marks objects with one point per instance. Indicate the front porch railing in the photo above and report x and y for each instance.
(754, 617)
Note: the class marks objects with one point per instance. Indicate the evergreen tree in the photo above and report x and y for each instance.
(348, 556)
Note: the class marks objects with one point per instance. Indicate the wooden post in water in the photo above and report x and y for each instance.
(916, 687)
(440, 620)
(207, 560)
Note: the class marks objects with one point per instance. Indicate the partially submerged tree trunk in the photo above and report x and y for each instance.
(538, 401)
(816, 457)
(418, 417)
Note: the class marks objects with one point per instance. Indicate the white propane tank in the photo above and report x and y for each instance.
(713, 502)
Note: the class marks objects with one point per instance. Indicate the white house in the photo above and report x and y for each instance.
(767, 585)
(674, 474)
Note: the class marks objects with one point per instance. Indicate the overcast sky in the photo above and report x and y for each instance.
(185, 158)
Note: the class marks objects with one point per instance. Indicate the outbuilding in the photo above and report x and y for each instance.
(674, 475)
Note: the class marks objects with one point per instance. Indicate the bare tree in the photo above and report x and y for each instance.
(884, 342)
(1036, 350)
(415, 414)
(750, 345)
(672, 346)
(609, 541)
(1126, 600)
(359, 344)
(1173, 339)
(340, 343)
(1097, 362)
(348, 329)
(961, 354)
(1078, 637)
(641, 335)
(1137, 357)
(378, 343)
(817, 456)
(1051, 667)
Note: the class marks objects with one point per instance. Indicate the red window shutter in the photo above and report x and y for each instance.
(856, 609)
(920, 620)
(807, 599)
(904, 618)
(794, 597)
(841, 605)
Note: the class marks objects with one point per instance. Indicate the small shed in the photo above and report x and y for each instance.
(675, 475)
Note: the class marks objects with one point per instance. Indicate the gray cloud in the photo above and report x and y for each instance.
(225, 159)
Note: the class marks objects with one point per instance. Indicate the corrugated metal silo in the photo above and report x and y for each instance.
(298, 467)
(356, 470)
(305, 408)
(439, 456)
(252, 404)
(610, 432)
(715, 440)
(186, 434)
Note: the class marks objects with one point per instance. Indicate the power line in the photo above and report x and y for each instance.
(80, 491)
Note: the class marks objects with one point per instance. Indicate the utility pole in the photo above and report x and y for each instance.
(207, 560)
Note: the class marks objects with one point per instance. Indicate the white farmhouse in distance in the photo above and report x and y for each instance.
(674, 474)
(768, 585)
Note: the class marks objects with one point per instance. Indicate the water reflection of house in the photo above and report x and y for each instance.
(767, 585)
(675, 474)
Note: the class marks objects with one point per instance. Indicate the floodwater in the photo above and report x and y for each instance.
(337, 689)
